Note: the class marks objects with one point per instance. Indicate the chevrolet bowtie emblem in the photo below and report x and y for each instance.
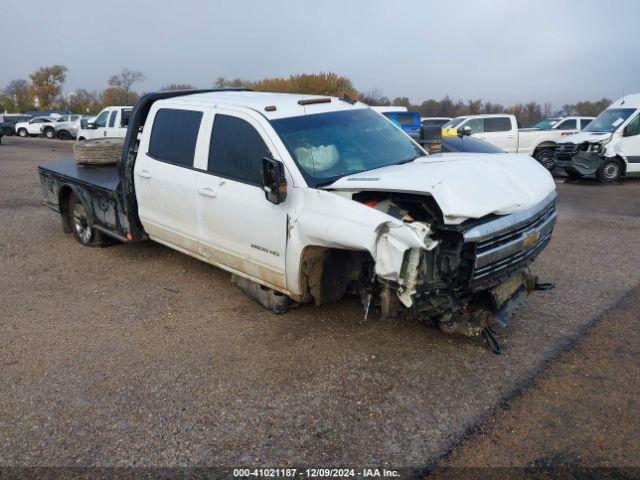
(530, 240)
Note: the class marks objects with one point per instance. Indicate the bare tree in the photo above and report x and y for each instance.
(177, 86)
(123, 82)
(18, 96)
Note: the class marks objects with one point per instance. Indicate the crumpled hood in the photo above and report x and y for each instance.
(464, 186)
(582, 137)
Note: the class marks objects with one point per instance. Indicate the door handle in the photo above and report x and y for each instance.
(509, 136)
(143, 173)
(207, 192)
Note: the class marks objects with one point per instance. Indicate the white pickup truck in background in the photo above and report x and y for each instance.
(306, 199)
(111, 122)
(502, 131)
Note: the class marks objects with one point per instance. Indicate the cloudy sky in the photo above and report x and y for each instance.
(501, 50)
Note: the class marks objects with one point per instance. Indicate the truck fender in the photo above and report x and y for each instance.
(63, 204)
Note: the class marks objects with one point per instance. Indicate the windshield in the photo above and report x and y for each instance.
(327, 146)
(454, 123)
(609, 120)
(546, 124)
(468, 144)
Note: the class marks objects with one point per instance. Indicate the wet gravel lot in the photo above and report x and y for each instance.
(139, 355)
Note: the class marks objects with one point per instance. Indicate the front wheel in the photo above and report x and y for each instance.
(544, 157)
(7, 131)
(64, 135)
(50, 133)
(23, 132)
(609, 171)
(81, 227)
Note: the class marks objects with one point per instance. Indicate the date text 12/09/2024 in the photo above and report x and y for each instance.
(315, 473)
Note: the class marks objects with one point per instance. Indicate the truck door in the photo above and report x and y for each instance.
(100, 123)
(165, 179)
(238, 226)
(629, 144)
(500, 132)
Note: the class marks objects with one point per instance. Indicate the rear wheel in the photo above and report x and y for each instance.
(81, 227)
(544, 156)
(23, 132)
(609, 171)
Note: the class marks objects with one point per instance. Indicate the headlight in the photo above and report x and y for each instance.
(596, 148)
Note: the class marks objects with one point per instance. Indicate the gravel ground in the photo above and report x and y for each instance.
(139, 355)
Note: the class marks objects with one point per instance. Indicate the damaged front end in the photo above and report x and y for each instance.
(462, 278)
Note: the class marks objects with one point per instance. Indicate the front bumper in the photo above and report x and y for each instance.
(583, 163)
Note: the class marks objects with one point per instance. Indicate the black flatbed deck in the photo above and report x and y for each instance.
(101, 176)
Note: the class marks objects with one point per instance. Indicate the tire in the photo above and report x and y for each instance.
(23, 133)
(81, 228)
(545, 157)
(50, 133)
(8, 132)
(609, 171)
(98, 151)
(573, 175)
(64, 135)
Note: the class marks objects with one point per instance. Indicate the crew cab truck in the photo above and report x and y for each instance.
(307, 198)
(502, 131)
(111, 122)
(609, 147)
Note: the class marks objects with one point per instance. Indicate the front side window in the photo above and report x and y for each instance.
(633, 128)
(174, 135)
(101, 120)
(327, 146)
(585, 121)
(609, 120)
(236, 150)
(497, 124)
(476, 125)
(112, 118)
(571, 124)
(454, 122)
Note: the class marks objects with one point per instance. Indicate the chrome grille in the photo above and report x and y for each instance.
(507, 244)
(564, 151)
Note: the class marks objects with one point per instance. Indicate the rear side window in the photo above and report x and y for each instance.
(497, 124)
(112, 118)
(174, 136)
(236, 150)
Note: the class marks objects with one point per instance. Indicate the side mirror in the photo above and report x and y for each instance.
(274, 182)
(464, 131)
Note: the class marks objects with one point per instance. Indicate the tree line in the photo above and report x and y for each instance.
(44, 89)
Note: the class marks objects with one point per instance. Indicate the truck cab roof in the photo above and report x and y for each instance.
(271, 105)
(628, 101)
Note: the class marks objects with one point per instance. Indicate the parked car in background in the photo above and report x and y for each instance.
(434, 121)
(66, 128)
(408, 121)
(110, 122)
(546, 123)
(8, 123)
(502, 131)
(610, 145)
(33, 126)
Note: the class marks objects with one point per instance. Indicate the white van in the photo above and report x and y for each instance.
(608, 147)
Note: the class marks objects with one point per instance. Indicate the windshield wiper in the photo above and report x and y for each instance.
(324, 183)
(408, 160)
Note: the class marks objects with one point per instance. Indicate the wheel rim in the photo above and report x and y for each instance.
(611, 170)
(49, 134)
(23, 133)
(546, 160)
(80, 223)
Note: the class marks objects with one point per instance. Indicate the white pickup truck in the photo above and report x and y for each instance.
(305, 199)
(111, 122)
(502, 131)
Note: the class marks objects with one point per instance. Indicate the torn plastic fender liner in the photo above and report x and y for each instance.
(392, 245)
